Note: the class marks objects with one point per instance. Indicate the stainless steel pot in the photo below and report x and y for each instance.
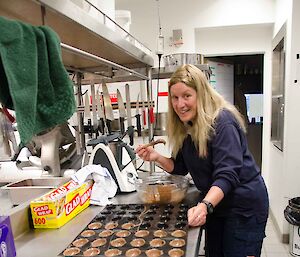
(161, 125)
(115, 125)
(183, 58)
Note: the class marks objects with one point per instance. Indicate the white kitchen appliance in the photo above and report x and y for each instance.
(115, 155)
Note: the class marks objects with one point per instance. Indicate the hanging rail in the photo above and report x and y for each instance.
(101, 60)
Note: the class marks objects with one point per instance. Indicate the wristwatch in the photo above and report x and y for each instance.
(209, 206)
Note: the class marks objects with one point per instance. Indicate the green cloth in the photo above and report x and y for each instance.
(33, 80)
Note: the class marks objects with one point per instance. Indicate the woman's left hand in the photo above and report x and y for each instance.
(197, 215)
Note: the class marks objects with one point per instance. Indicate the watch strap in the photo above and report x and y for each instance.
(209, 206)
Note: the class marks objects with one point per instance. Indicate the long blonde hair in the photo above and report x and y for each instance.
(209, 105)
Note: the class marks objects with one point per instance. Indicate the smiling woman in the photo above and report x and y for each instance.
(184, 101)
(207, 137)
(203, 105)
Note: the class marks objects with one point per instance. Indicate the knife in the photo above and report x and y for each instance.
(138, 116)
(151, 114)
(87, 107)
(143, 111)
(101, 124)
(94, 113)
(128, 109)
(109, 115)
(87, 114)
(122, 112)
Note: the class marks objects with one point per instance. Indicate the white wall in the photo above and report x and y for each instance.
(232, 40)
(190, 14)
(292, 107)
(283, 10)
(284, 166)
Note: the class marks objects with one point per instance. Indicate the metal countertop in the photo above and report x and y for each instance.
(51, 242)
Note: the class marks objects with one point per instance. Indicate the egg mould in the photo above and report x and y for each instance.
(134, 218)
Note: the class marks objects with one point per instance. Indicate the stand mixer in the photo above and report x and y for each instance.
(115, 155)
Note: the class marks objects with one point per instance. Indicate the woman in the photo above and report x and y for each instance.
(207, 135)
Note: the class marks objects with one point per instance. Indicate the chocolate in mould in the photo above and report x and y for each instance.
(134, 230)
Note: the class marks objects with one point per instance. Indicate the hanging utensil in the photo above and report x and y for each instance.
(138, 116)
(151, 114)
(101, 124)
(143, 108)
(87, 108)
(122, 112)
(130, 128)
(94, 108)
(87, 114)
(109, 115)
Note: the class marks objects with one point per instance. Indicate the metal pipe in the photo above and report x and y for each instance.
(101, 60)
(150, 125)
(150, 99)
(72, 69)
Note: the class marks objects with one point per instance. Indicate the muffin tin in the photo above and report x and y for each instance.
(134, 230)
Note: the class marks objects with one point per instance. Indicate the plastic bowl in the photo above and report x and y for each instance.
(162, 189)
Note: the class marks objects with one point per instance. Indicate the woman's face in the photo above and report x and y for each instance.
(184, 101)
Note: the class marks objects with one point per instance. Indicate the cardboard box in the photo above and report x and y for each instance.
(56, 208)
(7, 244)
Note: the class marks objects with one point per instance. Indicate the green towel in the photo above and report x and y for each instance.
(33, 80)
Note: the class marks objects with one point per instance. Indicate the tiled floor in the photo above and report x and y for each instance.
(272, 247)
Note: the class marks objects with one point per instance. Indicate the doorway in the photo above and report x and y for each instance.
(248, 95)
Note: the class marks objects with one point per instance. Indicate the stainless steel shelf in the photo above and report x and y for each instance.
(77, 29)
(89, 45)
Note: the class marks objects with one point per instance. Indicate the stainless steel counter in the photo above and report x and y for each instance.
(5, 202)
(51, 242)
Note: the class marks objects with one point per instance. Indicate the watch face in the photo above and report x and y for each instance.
(209, 206)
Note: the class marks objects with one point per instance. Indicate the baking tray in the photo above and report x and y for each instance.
(28, 189)
(143, 228)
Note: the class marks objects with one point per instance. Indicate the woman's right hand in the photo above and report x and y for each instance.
(197, 215)
(147, 153)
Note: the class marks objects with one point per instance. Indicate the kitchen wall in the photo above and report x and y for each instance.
(238, 27)
(284, 166)
(189, 15)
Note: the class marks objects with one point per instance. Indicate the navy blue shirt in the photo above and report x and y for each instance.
(230, 166)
